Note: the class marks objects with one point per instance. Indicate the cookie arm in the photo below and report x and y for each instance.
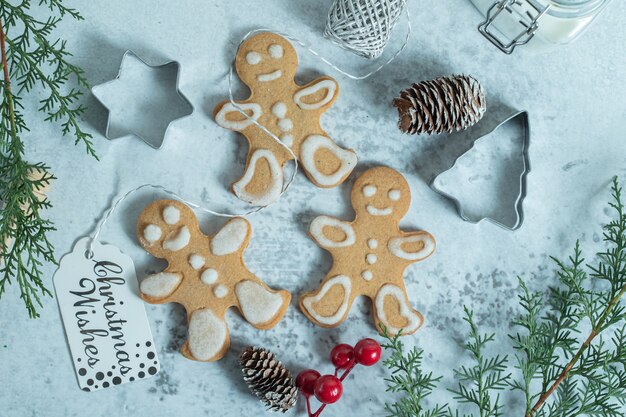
(228, 116)
(233, 237)
(339, 227)
(412, 247)
(308, 97)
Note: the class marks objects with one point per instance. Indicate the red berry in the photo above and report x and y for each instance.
(328, 389)
(305, 381)
(342, 356)
(367, 352)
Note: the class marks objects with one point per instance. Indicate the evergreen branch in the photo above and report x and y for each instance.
(611, 268)
(408, 378)
(478, 383)
(563, 372)
(29, 59)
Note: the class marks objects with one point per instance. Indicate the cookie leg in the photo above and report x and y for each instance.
(208, 337)
(260, 305)
(329, 305)
(392, 309)
(324, 162)
(262, 181)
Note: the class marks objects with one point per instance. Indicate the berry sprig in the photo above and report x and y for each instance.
(329, 388)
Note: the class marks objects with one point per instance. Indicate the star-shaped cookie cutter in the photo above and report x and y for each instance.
(522, 118)
(184, 103)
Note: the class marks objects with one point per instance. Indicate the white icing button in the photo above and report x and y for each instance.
(220, 291)
(369, 190)
(287, 139)
(285, 125)
(394, 194)
(367, 275)
(371, 258)
(372, 243)
(276, 51)
(279, 110)
(152, 233)
(196, 261)
(253, 58)
(179, 241)
(171, 215)
(209, 276)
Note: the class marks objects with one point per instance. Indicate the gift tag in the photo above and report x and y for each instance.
(105, 320)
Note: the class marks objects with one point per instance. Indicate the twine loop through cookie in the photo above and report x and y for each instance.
(363, 26)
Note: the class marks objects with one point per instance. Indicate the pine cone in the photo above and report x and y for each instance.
(268, 379)
(445, 104)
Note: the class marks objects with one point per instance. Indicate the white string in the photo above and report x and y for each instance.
(328, 62)
(257, 209)
(192, 204)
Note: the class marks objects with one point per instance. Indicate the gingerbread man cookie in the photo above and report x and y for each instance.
(370, 255)
(267, 63)
(206, 275)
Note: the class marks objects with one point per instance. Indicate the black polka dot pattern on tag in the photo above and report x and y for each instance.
(106, 379)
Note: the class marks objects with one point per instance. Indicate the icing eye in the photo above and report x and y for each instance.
(394, 194)
(369, 190)
(275, 51)
(253, 58)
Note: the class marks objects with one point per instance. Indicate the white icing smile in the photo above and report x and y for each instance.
(378, 212)
(179, 241)
(269, 76)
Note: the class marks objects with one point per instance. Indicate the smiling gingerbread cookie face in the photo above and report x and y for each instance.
(265, 58)
(381, 192)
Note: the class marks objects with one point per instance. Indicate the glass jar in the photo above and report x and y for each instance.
(510, 23)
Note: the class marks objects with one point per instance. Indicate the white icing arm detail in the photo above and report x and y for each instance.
(231, 237)
(208, 335)
(414, 319)
(321, 222)
(243, 122)
(331, 91)
(427, 249)
(346, 158)
(258, 304)
(160, 285)
(335, 318)
(275, 186)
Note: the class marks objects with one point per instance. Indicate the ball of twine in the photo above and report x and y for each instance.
(363, 26)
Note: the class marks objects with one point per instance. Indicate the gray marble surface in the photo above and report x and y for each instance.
(575, 96)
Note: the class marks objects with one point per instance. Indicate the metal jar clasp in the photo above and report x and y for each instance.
(527, 13)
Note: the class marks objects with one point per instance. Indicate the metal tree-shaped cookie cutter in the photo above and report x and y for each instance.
(183, 103)
(522, 118)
